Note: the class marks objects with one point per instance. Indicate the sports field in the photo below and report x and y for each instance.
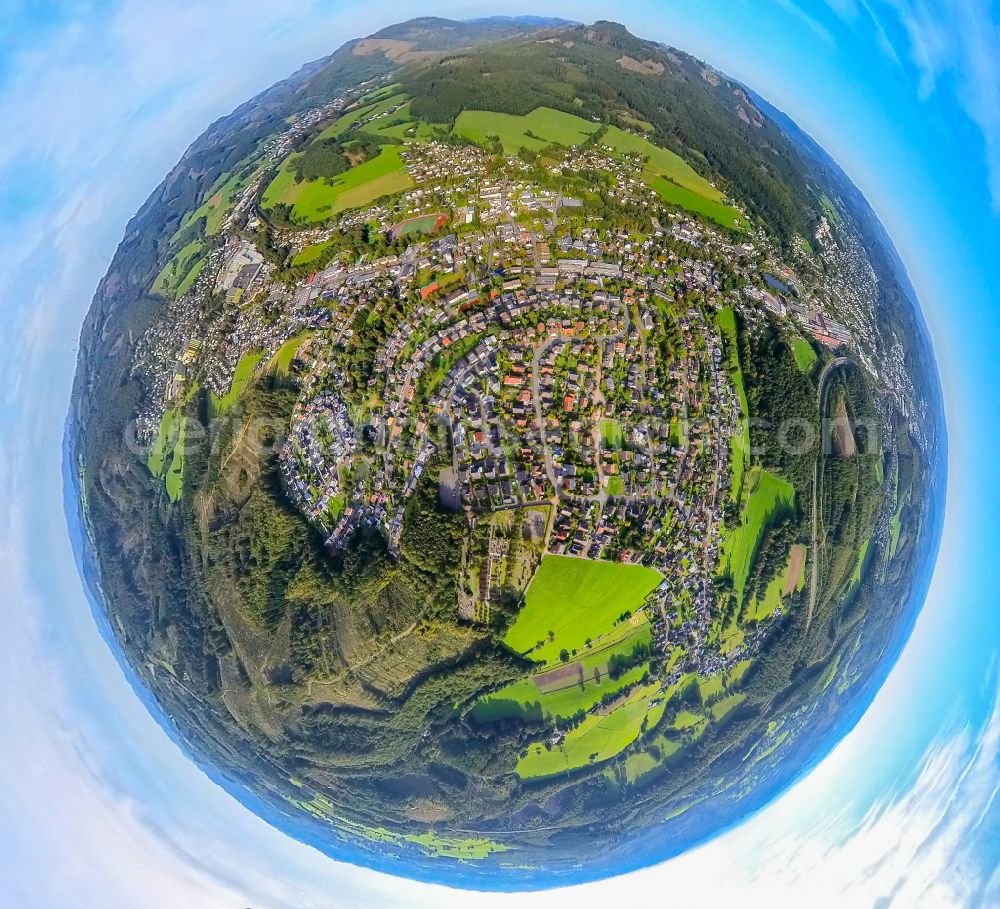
(543, 126)
(570, 601)
(599, 737)
(315, 200)
(768, 497)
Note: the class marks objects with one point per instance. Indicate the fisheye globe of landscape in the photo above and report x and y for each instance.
(510, 452)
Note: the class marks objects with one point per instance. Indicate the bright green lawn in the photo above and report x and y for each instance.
(769, 497)
(312, 253)
(611, 433)
(614, 485)
(544, 124)
(576, 600)
(598, 738)
(672, 194)
(805, 356)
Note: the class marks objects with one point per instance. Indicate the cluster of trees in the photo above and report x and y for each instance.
(327, 158)
(785, 433)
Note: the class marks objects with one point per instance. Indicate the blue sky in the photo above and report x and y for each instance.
(99, 99)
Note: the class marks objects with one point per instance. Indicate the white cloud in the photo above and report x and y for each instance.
(955, 46)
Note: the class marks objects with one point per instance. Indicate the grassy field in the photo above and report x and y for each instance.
(315, 200)
(740, 443)
(805, 356)
(661, 162)
(611, 433)
(570, 601)
(524, 699)
(543, 126)
(166, 459)
(548, 695)
(282, 359)
(672, 194)
(345, 122)
(768, 497)
(181, 270)
(674, 180)
(311, 253)
(241, 379)
(724, 706)
(615, 486)
(598, 738)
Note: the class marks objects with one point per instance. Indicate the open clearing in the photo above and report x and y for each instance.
(805, 356)
(611, 433)
(543, 126)
(796, 577)
(570, 601)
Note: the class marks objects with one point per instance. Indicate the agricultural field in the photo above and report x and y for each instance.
(376, 108)
(166, 459)
(569, 688)
(571, 601)
(543, 126)
(672, 194)
(768, 497)
(316, 200)
(598, 738)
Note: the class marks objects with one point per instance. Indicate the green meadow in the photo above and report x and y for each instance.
(570, 601)
(805, 356)
(241, 379)
(769, 496)
(543, 126)
(598, 738)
